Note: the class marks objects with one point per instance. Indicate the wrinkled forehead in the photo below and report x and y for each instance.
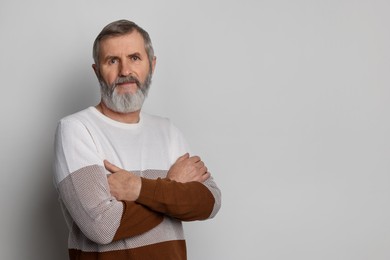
(125, 44)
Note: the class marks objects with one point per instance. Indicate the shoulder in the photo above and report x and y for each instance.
(78, 116)
(75, 122)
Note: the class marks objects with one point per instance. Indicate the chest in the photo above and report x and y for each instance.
(141, 150)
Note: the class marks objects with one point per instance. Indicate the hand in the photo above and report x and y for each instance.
(187, 169)
(124, 185)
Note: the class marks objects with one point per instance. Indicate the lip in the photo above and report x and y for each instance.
(127, 87)
(126, 83)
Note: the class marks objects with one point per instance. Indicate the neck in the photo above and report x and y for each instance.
(128, 118)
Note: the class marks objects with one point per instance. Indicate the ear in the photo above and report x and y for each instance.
(154, 63)
(95, 69)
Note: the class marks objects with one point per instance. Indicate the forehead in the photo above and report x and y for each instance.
(123, 45)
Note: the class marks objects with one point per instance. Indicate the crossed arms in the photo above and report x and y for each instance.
(125, 205)
(181, 194)
(104, 219)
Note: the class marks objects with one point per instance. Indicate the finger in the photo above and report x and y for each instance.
(195, 159)
(205, 176)
(183, 157)
(111, 167)
(200, 164)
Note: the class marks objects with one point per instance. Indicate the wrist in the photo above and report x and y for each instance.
(136, 186)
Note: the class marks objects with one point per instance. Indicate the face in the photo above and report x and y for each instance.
(124, 72)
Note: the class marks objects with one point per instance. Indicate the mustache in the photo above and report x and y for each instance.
(127, 79)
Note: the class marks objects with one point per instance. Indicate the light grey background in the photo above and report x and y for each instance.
(286, 101)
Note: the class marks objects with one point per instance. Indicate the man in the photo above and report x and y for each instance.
(124, 177)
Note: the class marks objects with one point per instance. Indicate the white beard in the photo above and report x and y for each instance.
(127, 102)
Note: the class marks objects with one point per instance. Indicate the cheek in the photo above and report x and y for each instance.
(145, 72)
(109, 77)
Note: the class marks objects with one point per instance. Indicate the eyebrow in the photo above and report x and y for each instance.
(135, 54)
(110, 57)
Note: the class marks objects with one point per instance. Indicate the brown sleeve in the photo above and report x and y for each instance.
(136, 219)
(184, 201)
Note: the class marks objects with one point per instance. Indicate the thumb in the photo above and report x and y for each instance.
(111, 167)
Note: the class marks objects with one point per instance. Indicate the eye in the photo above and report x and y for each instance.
(135, 58)
(113, 61)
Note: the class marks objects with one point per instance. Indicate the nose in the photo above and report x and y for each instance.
(125, 69)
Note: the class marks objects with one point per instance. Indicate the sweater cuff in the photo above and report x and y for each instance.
(148, 190)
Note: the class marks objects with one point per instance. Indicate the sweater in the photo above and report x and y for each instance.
(100, 226)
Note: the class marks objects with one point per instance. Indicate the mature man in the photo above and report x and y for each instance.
(124, 177)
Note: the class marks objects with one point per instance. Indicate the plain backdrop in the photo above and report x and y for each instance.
(287, 102)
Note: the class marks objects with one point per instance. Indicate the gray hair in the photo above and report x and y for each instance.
(118, 28)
